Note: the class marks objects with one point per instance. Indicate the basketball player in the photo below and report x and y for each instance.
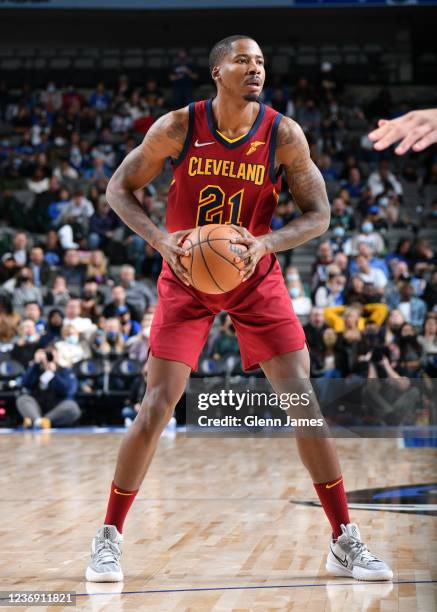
(415, 130)
(228, 155)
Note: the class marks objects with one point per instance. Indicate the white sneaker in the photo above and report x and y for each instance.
(105, 556)
(348, 556)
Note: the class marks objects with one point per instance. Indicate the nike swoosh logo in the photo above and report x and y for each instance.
(203, 144)
(329, 486)
(342, 561)
(120, 493)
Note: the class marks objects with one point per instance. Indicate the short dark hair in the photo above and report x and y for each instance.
(223, 47)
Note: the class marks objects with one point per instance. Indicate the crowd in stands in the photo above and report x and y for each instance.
(77, 284)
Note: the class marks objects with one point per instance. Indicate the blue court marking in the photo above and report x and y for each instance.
(248, 587)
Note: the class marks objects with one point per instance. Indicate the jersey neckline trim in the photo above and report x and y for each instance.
(232, 144)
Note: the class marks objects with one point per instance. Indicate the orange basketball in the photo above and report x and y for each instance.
(211, 264)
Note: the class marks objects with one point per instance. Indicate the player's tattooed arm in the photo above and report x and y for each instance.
(307, 187)
(164, 139)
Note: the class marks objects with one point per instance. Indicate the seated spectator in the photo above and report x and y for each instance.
(226, 343)
(64, 171)
(314, 332)
(58, 295)
(97, 267)
(84, 325)
(371, 275)
(99, 173)
(355, 290)
(54, 325)
(100, 98)
(340, 242)
(342, 318)
(138, 345)
(19, 248)
(72, 269)
(368, 235)
(301, 303)
(92, 299)
(410, 359)
(40, 208)
(71, 347)
(8, 268)
(38, 182)
(323, 259)
(103, 224)
(393, 324)
(118, 305)
(129, 327)
(340, 215)
(111, 342)
(374, 262)
(48, 393)
(56, 208)
(40, 269)
(428, 341)
(137, 294)
(23, 288)
(330, 362)
(77, 213)
(9, 321)
(32, 311)
(354, 185)
(332, 292)
(422, 255)
(383, 181)
(326, 170)
(412, 308)
(391, 291)
(430, 293)
(25, 343)
(341, 260)
(377, 218)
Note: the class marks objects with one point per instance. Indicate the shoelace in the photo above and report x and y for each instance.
(106, 550)
(361, 550)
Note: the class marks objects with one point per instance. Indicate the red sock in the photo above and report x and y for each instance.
(333, 499)
(120, 500)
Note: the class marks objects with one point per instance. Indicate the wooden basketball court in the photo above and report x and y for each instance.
(213, 527)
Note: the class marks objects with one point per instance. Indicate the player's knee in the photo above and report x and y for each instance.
(156, 409)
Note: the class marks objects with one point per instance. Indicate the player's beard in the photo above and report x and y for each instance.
(251, 98)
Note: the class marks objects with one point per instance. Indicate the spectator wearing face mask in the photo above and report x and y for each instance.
(71, 348)
(340, 242)
(368, 235)
(301, 303)
(92, 300)
(340, 217)
(111, 342)
(382, 181)
(24, 289)
(25, 343)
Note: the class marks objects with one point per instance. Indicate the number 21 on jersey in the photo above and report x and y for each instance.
(214, 207)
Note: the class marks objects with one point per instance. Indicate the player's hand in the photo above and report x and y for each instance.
(171, 250)
(256, 249)
(416, 130)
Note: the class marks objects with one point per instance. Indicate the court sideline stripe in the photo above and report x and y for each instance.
(274, 586)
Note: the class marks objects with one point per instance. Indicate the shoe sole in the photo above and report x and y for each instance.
(359, 573)
(93, 576)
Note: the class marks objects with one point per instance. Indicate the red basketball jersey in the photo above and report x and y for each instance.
(218, 180)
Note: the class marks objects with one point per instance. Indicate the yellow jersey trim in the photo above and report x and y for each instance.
(232, 140)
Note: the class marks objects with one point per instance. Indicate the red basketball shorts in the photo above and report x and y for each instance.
(260, 309)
